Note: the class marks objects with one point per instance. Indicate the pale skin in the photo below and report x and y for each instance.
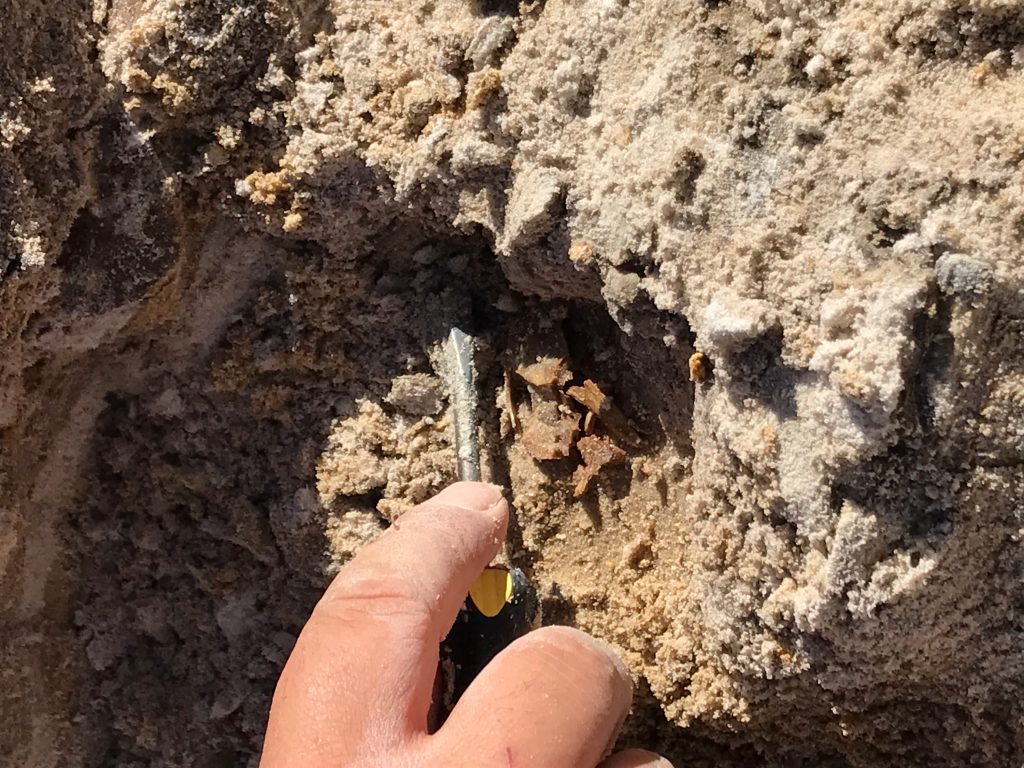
(356, 691)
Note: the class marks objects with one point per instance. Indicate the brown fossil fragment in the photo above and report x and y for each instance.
(548, 432)
(549, 372)
(700, 367)
(510, 404)
(598, 403)
(597, 453)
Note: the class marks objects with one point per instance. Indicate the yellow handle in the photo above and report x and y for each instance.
(491, 591)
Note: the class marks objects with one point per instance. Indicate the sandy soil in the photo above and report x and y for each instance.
(747, 283)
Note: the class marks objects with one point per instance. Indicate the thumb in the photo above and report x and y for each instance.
(636, 758)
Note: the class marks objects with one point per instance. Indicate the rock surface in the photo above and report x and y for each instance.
(233, 237)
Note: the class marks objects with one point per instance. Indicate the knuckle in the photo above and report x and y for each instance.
(373, 598)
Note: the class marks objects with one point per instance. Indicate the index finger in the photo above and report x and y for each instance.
(363, 668)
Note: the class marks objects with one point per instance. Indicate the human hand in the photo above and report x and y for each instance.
(357, 688)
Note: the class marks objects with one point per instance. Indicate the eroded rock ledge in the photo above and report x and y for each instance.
(233, 235)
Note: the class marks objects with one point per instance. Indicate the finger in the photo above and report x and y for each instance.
(555, 698)
(636, 758)
(420, 571)
(363, 667)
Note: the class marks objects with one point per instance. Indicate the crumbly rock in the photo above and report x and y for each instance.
(234, 236)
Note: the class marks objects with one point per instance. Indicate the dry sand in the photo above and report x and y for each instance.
(234, 236)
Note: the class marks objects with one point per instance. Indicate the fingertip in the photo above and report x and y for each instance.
(478, 497)
(554, 697)
(482, 499)
(579, 639)
(576, 644)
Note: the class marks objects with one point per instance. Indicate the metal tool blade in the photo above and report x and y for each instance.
(462, 389)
